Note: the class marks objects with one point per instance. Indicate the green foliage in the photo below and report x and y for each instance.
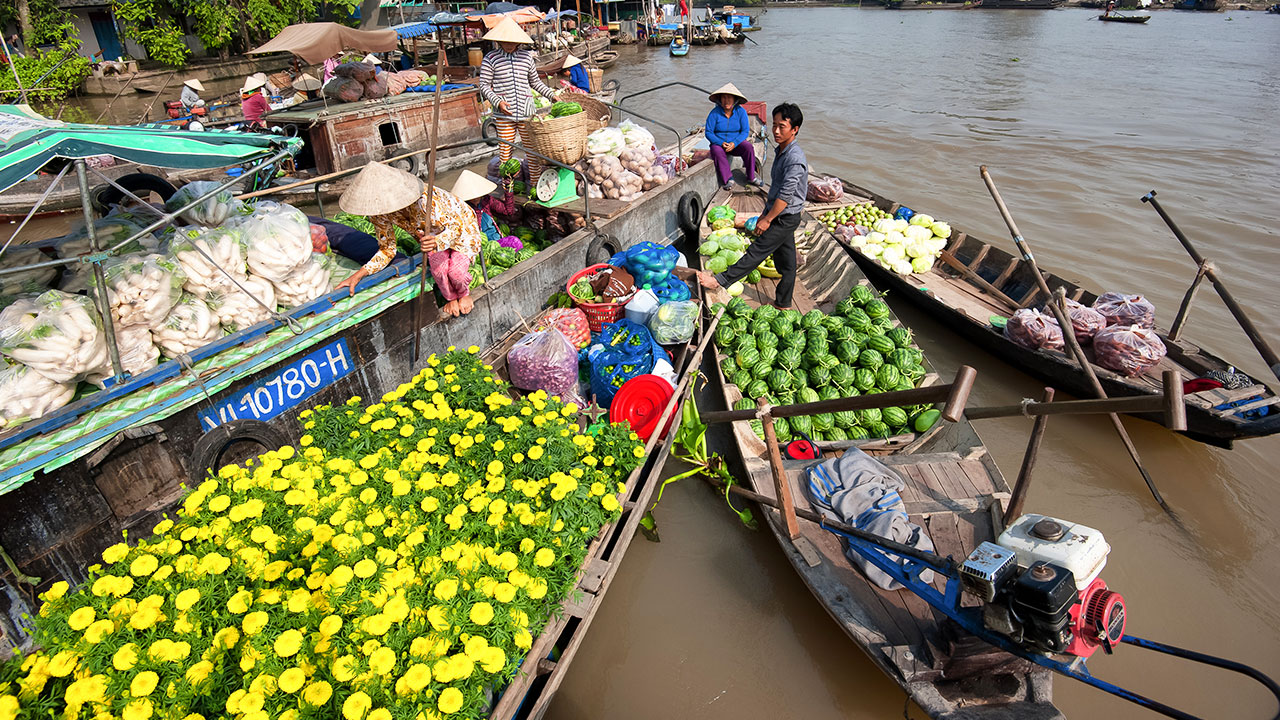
(57, 85)
(149, 22)
(50, 25)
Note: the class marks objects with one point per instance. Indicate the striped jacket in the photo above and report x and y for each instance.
(509, 77)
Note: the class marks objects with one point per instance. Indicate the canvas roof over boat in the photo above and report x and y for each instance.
(317, 42)
(29, 141)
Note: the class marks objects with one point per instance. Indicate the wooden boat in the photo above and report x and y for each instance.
(901, 5)
(1213, 416)
(679, 50)
(954, 491)
(1022, 4)
(605, 58)
(1124, 18)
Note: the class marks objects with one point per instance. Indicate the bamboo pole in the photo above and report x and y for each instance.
(1175, 330)
(431, 185)
(1019, 496)
(146, 114)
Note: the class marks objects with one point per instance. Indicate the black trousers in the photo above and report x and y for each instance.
(778, 242)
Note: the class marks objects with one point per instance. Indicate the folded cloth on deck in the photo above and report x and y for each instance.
(857, 490)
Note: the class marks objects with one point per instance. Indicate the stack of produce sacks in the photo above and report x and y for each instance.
(56, 338)
(613, 181)
(621, 162)
(903, 246)
(211, 257)
(141, 290)
(190, 325)
(235, 310)
(26, 394)
(279, 241)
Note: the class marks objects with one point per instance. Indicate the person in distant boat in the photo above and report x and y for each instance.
(1111, 5)
(776, 227)
(190, 98)
(577, 81)
(253, 103)
(727, 130)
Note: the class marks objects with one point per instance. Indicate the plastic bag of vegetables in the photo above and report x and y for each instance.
(572, 322)
(189, 326)
(306, 283)
(825, 190)
(721, 217)
(56, 334)
(637, 160)
(279, 240)
(635, 136)
(673, 322)
(1128, 350)
(26, 394)
(142, 289)
(1033, 329)
(16, 282)
(544, 360)
(235, 310)
(213, 210)
(606, 141)
(138, 352)
(1126, 310)
(223, 249)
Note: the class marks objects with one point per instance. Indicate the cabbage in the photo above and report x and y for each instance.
(941, 229)
(876, 237)
(921, 219)
(922, 264)
(895, 238)
(871, 251)
(708, 248)
(736, 289)
(717, 264)
(916, 233)
(918, 249)
(885, 225)
(902, 267)
(893, 253)
(936, 244)
(901, 225)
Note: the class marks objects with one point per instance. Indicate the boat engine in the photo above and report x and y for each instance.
(1040, 586)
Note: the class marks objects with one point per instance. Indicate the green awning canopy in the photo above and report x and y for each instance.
(29, 141)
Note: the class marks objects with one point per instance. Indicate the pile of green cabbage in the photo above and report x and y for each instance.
(723, 248)
(904, 247)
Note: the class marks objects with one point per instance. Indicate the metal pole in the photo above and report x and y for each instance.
(100, 289)
(14, 67)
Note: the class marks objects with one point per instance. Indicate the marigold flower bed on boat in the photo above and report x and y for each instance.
(397, 565)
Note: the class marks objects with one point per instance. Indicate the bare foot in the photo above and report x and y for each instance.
(465, 304)
(451, 308)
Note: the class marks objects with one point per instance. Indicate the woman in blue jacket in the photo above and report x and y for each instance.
(727, 130)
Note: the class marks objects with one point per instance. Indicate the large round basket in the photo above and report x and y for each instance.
(563, 139)
(598, 114)
(598, 314)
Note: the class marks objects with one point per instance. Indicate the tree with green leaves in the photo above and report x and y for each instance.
(42, 22)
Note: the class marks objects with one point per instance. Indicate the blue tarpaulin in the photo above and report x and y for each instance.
(414, 29)
(432, 88)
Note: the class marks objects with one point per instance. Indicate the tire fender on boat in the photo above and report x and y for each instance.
(140, 184)
(689, 212)
(207, 455)
(602, 247)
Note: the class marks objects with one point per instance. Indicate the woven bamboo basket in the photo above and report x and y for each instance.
(597, 112)
(563, 139)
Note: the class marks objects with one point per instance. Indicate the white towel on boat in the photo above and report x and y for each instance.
(857, 490)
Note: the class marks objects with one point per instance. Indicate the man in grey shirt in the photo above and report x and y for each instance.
(776, 228)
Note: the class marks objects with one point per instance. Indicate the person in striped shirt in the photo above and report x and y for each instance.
(508, 79)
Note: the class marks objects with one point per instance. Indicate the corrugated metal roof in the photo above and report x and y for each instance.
(414, 29)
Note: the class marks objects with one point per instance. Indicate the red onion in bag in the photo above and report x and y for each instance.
(544, 360)
(1128, 350)
(1035, 330)
(1122, 309)
(1085, 321)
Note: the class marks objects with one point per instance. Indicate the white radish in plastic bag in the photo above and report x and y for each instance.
(24, 280)
(235, 310)
(635, 136)
(189, 326)
(223, 249)
(27, 395)
(278, 238)
(208, 212)
(142, 289)
(606, 141)
(56, 334)
(305, 284)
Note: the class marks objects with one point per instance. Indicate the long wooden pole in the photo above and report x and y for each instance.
(1068, 335)
(1019, 496)
(1255, 336)
(146, 115)
(431, 188)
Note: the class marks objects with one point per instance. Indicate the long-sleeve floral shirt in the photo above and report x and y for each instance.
(454, 221)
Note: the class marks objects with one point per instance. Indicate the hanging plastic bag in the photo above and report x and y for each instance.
(209, 212)
(305, 284)
(27, 395)
(142, 289)
(344, 89)
(544, 360)
(56, 334)
(223, 249)
(572, 322)
(1033, 329)
(1128, 350)
(1126, 310)
(358, 71)
(235, 310)
(278, 238)
(189, 326)
(674, 322)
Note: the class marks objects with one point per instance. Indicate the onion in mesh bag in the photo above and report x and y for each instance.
(189, 326)
(1035, 330)
(211, 211)
(26, 394)
(223, 249)
(279, 240)
(544, 360)
(235, 310)
(142, 289)
(1122, 309)
(1085, 321)
(1128, 350)
(305, 284)
(56, 334)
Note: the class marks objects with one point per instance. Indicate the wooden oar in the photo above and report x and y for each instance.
(971, 274)
(430, 196)
(1058, 307)
(1170, 404)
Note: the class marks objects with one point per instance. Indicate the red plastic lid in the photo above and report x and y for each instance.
(640, 401)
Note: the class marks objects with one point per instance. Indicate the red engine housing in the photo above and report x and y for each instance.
(1097, 620)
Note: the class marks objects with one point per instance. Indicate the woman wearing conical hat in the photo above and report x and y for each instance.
(508, 79)
(392, 198)
(575, 76)
(727, 131)
(190, 98)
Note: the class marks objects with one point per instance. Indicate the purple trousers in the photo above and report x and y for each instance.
(724, 166)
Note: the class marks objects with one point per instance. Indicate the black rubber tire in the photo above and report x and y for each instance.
(209, 449)
(610, 84)
(689, 212)
(602, 248)
(140, 184)
(489, 131)
(411, 164)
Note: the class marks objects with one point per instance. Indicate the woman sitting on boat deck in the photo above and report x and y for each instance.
(727, 130)
(393, 198)
(577, 81)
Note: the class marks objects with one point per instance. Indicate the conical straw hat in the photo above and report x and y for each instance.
(471, 186)
(372, 59)
(252, 83)
(570, 61)
(508, 31)
(194, 84)
(728, 88)
(306, 82)
(379, 189)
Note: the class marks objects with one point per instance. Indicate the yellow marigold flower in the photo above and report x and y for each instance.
(544, 557)
(125, 658)
(379, 714)
(254, 622)
(317, 693)
(481, 613)
(115, 553)
(537, 588)
(377, 624)
(143, 683)
(219, 503)
(597, 488)
(81, 618)
(446, 589)
(356, 705)
(417, 677)
(251, 702)
(288, 643)
(144, 618)
(368, 495)
(9, 707)
(494, 660)
(504, 592)
(344, 668)
(609, 503)
(523, 639)
(450, 701)
(240, 602)
(95, 633)
(199, 672)
(292, 680)
(137, 709)
(535, 452)
(228, 637)
(62, 664)
(382, 661)
(366, 568)
(407, 430)
(436, 616)
(330, 626)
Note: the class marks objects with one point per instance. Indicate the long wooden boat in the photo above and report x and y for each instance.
(904, 5)
(954, 491)
(1217, 417)
(605, 59)
(1124, 18)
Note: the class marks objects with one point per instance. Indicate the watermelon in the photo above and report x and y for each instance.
(757, 427)
(887, 378)
(782, 429)
(926, 420)
(846, 418)
(768, 354)
(859, 320)
(877, 309)
(818, 347)
(900, 359)
(832, 323)
(894, 416)
(868, 417)
(738, 308)
(780, 324)
(912, 372)
(864, 379)
(780, 380)
(881, 344)
(801, 424)
(847, 353)
(800, 378)
(741, 378)
(905, 383)
(724, 336)
(745, 340)
(819, 377)
(767, 340)
(792, 315)
(886, 322)
(845, 306)
(869, 359)
(765, 312)
(857, 432)
(756, 389)
(807, 395)
(748, 356)
(760, 327)
(843, 376)
(860, 339)
(761, 370)
(835, 434)
(823, 422)
(813, 318)
(901, 336)
(797, 341)
(728, 366)
(786, 398)
(829, 392)
(879, 430)
(843, 334)
(815, 333)
(789, 358)
(861, 295)
(875, 330)
(744, 404)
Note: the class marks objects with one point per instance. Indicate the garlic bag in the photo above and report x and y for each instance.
(26, 394)
(56, 334)
(306, 284)
(208, 212)
(278, 238)
(235, 310)
(142, 289)
(24, 280)
(189, 326)
(223, 249)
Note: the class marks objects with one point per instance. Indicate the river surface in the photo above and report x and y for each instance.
(1075, 119)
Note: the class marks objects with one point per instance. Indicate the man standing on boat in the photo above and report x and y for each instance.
(776, 228)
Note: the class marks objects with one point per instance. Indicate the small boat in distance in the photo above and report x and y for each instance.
(910, 5)
(1124, 18)
(679, 48)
